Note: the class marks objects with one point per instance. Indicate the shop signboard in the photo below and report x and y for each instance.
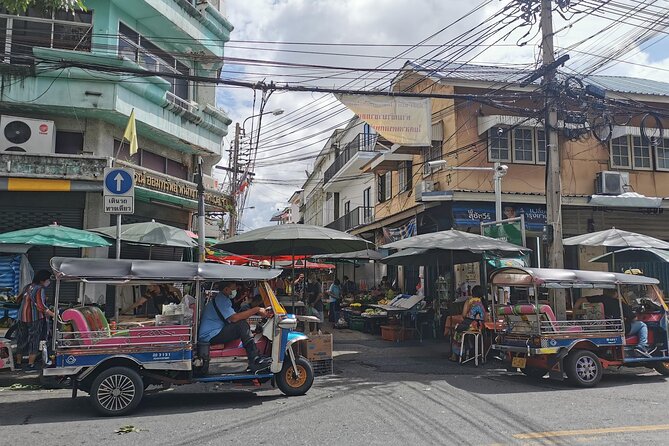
(509, 231)
(472, 214)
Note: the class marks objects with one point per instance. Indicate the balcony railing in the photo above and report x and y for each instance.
(364, 142)
(359, 216)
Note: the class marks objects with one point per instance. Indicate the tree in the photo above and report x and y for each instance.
(20, 6)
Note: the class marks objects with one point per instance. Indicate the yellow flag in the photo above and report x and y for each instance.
(131, 133)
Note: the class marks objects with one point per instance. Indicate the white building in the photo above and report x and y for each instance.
(337, 194)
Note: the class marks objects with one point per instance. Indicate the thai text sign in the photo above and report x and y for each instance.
(471, 215)
(403, 121)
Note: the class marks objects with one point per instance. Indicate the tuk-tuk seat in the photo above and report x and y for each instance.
(91, 328)
(231, 348)
(545, 311)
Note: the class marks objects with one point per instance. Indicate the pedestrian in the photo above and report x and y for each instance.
(335, 297)
(314, 300)
(32, 321)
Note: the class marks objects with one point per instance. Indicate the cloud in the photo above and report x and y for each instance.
(309, 118)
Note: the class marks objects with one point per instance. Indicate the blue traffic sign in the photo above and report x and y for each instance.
(118, 181)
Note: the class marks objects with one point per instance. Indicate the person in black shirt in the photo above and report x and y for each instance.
(633, 327)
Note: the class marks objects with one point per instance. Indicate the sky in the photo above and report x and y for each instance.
(309, 118)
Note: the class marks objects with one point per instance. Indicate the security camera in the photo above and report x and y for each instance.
(502, 168)
(500, 131)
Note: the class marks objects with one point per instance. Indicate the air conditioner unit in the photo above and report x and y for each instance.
(611, 183)
(24, 135)
(423, 187)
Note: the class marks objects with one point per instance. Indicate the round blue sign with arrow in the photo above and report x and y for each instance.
(118, 181)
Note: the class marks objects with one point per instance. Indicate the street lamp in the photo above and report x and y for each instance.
(498, 171)
(277, 112)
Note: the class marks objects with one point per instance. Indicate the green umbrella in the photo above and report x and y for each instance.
(54, 235)
(150, 233)
(293, 239)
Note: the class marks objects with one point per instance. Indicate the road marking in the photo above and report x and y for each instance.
(601, 431)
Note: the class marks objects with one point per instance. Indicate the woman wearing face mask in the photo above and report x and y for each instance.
(32, 323)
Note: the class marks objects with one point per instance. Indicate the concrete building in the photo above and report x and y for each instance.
(466, 133)
(70, 82)
(337, 194)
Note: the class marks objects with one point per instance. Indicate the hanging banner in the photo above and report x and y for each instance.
(405, 231)
(403, 121)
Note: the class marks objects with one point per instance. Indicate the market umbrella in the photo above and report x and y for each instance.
(293, 239)
(418, 257)
(54, 235)
(454, 240)
(365, 254)
(308, 265)
(634, 255)
(150, 233)
(616, 238)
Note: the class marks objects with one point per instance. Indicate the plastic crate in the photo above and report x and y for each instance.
(357, 323)
(394, 333)
(323, 367)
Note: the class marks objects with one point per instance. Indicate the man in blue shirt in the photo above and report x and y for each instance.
(220, 324)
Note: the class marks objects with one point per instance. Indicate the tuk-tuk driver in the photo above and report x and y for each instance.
(220, 324)
(633, 326)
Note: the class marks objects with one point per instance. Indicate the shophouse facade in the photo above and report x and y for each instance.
(468, 133)
(70, 82)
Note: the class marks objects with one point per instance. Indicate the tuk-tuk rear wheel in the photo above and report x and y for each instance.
(583, 368)
(293, 384)
(116, 391)
(662, 368)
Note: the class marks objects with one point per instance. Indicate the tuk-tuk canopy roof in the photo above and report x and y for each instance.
(66, 268)
(566, 278)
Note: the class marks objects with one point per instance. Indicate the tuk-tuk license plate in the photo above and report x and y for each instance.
(519, 362)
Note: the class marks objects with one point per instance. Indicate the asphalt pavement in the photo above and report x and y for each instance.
(381, 393)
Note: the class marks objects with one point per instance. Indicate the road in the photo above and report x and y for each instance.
(381, 394)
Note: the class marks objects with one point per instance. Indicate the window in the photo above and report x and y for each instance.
(499, 144)
(432, 153)
(142, 51)
(662, 154)
(62, 30)
(620, 152)
(367, 198)
(71, 143)
(384, 187)
(149, 160)
(641, 154)
(347, 207)
(405, 176)
(523, 145)
(541, 147)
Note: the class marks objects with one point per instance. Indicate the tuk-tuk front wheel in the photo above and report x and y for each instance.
(116, 391)
(662, 368)
(583, 368)
(291, 383)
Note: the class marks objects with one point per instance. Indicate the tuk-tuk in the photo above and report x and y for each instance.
(115, 363)
(589, 340)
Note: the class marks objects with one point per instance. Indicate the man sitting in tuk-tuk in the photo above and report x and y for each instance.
(220, 324)
(633, 327)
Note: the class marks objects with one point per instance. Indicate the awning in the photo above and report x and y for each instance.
(485, 123)
(626, 200)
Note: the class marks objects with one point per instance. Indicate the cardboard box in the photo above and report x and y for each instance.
(319, 347)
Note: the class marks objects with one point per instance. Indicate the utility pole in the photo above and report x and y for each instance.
(553, 178)
(200, 212)
(233, 189)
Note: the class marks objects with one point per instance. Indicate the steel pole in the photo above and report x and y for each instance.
(118, 236)
(498, 192)
(200, 213)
